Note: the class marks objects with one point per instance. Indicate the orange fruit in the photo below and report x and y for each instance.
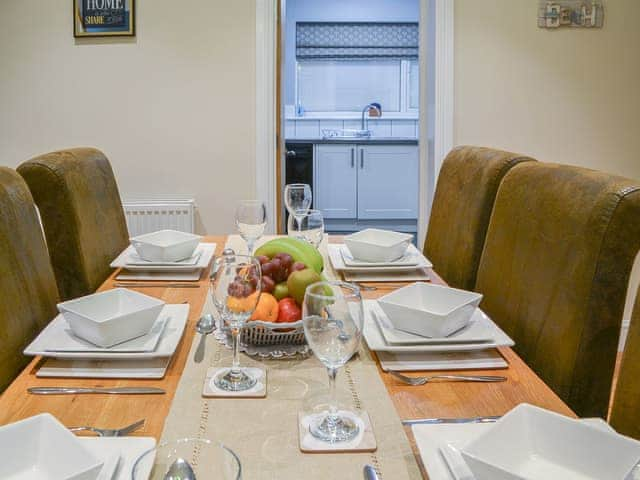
(267, 309)
(244, 304)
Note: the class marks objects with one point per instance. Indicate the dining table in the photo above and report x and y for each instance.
(448, 400)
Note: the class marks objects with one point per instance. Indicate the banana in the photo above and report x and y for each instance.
(299, 250)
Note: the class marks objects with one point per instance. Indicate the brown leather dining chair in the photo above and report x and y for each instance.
(29, 293)
(462, 205)
(82, 214)
(625, 409)
(554, 272)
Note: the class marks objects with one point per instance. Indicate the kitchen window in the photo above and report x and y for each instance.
(343, 66)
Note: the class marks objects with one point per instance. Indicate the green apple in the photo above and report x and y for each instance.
(281, 290)
(299, 281)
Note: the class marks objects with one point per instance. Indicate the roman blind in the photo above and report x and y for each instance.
(356, 40)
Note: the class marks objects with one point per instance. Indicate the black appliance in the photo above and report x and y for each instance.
(298, 168)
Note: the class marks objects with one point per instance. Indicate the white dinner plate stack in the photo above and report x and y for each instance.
(471, 347)
(189, 269)
(146, 356)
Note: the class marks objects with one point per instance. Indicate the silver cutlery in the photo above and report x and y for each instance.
(206, 324)
(107, 432)
(156, 285)
(365, 288)
(434, 421)
(180, 470)
(106, 390)
(370, 473)
(457, 466)
(456, 378)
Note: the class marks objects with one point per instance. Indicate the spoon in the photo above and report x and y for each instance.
(180, 470)
(206, 324)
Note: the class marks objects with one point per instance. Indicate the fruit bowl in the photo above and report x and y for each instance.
(259, 333)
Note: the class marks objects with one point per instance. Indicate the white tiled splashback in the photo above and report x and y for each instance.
(312, 128)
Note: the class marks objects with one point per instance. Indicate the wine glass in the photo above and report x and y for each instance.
(204, 457)
(311, 227)
(332, 317)
(297, 198)
(236, 289)
(251, 220)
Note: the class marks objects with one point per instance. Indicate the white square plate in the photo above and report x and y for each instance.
(58, 337)
(175, 316)
(153, 368)
(376, 342)
(429, 438)
(409, 259)
(134, 259)
(335, 256)
(129, 449)
(476, 331)
(204, 250)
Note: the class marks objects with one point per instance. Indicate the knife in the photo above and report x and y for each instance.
(433, 421)
(370, 473)
(77, 390)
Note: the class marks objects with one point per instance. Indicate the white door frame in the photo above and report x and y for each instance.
(266, 41)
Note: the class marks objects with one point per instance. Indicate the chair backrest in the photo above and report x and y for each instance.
(82, 215)
(29, 293)
(554, 273)
(464, 197)
(625, 410)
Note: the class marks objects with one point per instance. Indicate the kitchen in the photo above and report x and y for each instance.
(351, 110)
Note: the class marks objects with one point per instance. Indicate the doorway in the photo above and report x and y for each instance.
(435, 122)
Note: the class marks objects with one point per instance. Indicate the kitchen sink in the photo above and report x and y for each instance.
(328, 134)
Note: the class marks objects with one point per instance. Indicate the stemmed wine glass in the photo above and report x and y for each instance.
(310, 228)
(297, 198)
(251, 220)
(332, 317)
(236, 290)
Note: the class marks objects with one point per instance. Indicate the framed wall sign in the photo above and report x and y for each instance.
(99, 18)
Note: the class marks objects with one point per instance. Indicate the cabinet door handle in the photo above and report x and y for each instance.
(361, 159)
(353, 163)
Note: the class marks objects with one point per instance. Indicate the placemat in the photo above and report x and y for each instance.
(263, 432)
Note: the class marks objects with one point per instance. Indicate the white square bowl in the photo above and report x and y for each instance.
(165, 245)
(373, 245)
(429, 310)
(41, 448)
(531, 443)
(108, 318)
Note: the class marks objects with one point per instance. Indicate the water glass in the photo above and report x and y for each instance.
(236, 290)
(332, 317)
(251, 220)
(310, 228)
(297, 199)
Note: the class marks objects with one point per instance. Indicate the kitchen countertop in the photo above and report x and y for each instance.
(359, 141)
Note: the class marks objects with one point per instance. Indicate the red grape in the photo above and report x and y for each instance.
(268, 269)
(297, 266)
(263, 259)
(285, 259)
(268, 284)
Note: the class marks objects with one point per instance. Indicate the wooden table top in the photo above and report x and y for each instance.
(441, 400)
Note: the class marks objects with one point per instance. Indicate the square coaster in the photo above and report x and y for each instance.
(365, 441)
(259, 390)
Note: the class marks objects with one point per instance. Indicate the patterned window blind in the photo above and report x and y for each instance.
(356, 40)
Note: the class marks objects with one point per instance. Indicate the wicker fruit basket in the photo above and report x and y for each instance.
(259, 333)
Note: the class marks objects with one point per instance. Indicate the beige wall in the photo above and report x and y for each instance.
(173, 108)
(566, 96)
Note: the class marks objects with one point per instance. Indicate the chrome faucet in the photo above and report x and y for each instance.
(364, 131)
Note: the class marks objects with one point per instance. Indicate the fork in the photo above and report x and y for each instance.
(458, 378)
(106, 432)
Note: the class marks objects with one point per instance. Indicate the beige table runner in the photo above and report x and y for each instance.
(263, 432)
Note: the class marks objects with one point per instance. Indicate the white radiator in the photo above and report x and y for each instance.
(144, 216)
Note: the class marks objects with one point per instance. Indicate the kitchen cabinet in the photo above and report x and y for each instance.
(366, 182)
(387, 182)
(335, 178)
